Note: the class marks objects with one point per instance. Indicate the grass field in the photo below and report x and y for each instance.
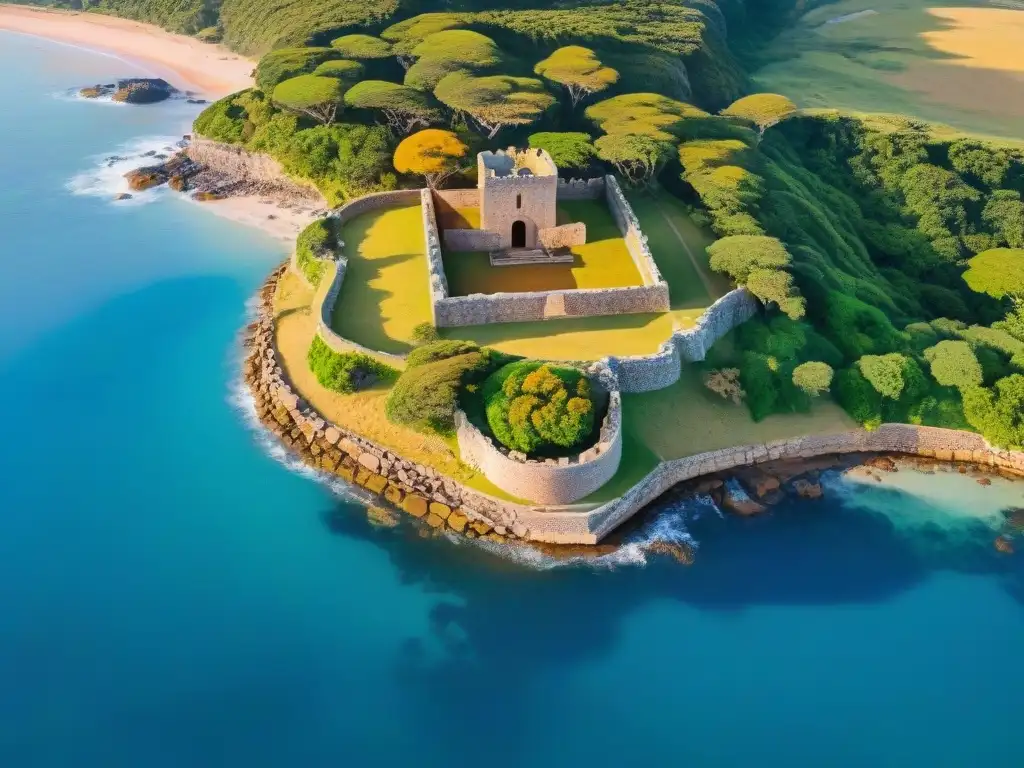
(362, 412)
(603, 262)
(959, 63)
(687, 418)
(677, 244)
(385, 294)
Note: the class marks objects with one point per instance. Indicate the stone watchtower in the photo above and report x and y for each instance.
(518, 196)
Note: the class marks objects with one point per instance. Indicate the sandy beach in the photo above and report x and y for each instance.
(281, 223)
(183, 61)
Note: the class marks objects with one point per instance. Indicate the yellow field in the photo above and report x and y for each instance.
(385, 294)
(963, 66)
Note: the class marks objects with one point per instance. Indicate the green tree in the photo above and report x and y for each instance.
(893, 375)
(775, 286)
(571, 150)
(740, 255)
(348, 72)
(451, 51)
(998, 413)
(954, 364)
(494, 102)
(762, 109)
(646, 114)
(534, 408)
(637, 158)
(577, 69)
(403, 108)
(998, 272)
(1004, 215)
(426, 395)
(362, 47)
(813, 377)
(277, 66)
(312, 95)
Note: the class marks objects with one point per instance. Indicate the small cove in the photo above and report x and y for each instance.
(173, 595)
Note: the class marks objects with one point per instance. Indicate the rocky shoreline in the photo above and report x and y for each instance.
(415, 489)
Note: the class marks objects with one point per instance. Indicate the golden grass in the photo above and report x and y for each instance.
(362, 412)
(686, 419)
(602, 262)
(958, 66)
(385, 294)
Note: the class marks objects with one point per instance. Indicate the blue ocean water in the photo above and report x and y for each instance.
(171, 595)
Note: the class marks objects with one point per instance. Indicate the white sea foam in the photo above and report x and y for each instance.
(106, 176)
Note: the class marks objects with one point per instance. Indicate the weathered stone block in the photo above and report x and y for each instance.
(415, 505)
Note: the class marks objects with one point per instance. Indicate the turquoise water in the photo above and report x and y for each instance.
(171, 595)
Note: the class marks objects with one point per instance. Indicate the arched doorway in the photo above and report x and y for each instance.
(518, 234)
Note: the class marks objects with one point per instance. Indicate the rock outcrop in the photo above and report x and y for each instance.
(132, 90)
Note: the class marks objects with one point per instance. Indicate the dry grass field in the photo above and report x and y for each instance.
(385, 294)
(958, 63)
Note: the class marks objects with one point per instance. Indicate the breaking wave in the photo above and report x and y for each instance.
(106, 176)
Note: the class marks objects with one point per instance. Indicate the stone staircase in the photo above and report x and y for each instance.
(520, 256)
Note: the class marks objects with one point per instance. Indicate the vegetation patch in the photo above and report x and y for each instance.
(344, 372)
(315, 243)
(539, 409)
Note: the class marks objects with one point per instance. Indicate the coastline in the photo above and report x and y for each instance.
(185, 62)
(276, 218)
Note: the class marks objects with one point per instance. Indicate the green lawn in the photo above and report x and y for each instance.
(687, 418)
(385, 294)
(603, 262)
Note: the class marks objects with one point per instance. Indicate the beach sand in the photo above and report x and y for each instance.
(186, 63)
(256, 211)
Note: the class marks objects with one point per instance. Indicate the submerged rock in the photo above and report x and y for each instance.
(807, 489)
(736, 500)
(1004, 545)
(123, 196)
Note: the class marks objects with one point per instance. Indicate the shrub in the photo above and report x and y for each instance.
(813, 377)
(894, 376)
(725, 383)
(954, 364)
(427, 392)
(858, 397)
(537, 408)
(998, 413)
(313, 244)
(425, 333)
(439, 350)
(344, 372)
(362, 47)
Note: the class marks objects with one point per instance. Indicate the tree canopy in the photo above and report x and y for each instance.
(739, 255)
(813, 377)
(349, 72)
(570, 151)
(998, 272)
(496, 101)
(636, 157)
(644, 114)
(762, 109)
(432, 153)
(362, 47)
(579, 70)
(403, 108)
(311, 95)
(954, 364)
(444, 53)
(284, 63)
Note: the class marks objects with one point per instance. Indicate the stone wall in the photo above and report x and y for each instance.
(460, 240)
(646, 373)
(457, 198)
(632, 233)
(237, 163)
(480, 309)
(578, 189)
(554, 481)
(327, 295)
(564, 236)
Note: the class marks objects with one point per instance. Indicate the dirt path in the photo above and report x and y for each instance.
(693, 259)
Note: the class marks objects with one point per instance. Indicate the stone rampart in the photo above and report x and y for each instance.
(646, 373)
(554, 481)
(465, 240)
(239, 164)
(578, 189)
(632, 233)
(564, 236)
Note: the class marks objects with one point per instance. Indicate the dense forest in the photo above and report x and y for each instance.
(889, 260)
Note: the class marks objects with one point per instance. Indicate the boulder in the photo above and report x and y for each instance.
(441, 510)
(457, 522)
(207, 197)
(736, 500)
(144, 178)
(882, 463)
(807, 489)
(143, 90)
(1003, 545)
(415, 505)
(434, 521)
(123, 196)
